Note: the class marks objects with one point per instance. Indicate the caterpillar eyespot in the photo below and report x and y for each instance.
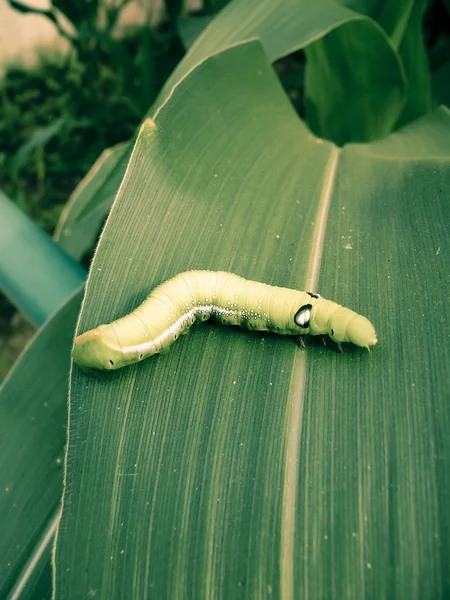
(303, 316)
(173, 307)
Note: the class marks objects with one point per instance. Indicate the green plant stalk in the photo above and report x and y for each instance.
(35, 274)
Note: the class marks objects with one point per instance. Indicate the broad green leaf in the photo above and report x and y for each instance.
(356, 82)
(394, 17)
(414, 56)
(367, 89)
(402, 21)
(355, 85)
(239, 465)
(78, 228)
(33, 421)
(282, 28)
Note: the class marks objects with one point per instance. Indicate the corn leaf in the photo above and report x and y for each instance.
(33, 423)
(240, 465)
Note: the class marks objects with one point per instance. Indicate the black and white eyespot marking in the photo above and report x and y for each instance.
(313, 295)
(303, 316)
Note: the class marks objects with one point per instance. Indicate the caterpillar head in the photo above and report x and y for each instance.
(98, 349)
(358, 331)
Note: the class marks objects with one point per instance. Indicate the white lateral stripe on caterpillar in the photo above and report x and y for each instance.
(147, 346)
(172, 307)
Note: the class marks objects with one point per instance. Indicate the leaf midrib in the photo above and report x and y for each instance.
(297, 390)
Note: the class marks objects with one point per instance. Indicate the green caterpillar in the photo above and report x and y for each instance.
(174, 306)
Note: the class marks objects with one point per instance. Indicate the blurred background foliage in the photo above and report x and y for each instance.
(59, 115)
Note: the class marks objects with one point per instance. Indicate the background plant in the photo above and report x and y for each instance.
(58, 116)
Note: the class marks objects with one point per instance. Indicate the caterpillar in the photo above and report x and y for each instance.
(172, 307)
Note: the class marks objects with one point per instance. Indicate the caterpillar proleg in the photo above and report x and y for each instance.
(174, 306)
